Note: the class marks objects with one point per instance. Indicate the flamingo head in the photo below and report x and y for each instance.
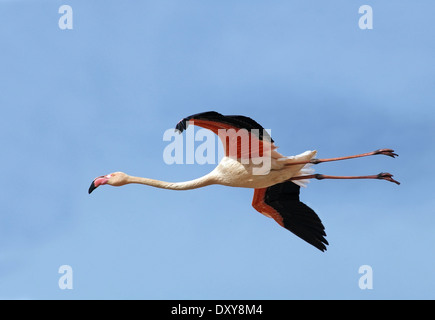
(116, 179)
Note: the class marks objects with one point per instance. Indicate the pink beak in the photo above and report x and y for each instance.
(98, 182)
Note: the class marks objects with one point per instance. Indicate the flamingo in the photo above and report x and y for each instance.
(276, 189)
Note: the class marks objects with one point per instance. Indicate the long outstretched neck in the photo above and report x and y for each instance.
(186, 185)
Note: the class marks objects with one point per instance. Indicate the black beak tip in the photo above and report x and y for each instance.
(92, 187)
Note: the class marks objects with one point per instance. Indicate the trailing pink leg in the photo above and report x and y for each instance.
(387, 152)
(381, 176)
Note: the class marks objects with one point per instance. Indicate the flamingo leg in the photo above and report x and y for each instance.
(387, 152)
(381, 176)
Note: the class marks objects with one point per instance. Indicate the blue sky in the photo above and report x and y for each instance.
(96, 99)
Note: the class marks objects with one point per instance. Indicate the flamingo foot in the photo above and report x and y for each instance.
(387, 152)
(387, 176)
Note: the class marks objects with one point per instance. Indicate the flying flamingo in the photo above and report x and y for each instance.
(276, 189)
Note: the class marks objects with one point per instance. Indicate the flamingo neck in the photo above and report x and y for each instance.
(186, 185)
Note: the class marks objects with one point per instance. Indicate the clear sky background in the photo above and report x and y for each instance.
(76, 104)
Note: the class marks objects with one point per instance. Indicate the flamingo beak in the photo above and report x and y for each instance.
(98, 182)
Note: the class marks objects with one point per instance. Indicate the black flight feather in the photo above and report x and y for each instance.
(297, 216)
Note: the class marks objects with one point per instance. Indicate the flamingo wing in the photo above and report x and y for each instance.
(259, 139)
(281, 202)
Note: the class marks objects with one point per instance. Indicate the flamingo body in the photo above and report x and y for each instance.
(232, 173)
